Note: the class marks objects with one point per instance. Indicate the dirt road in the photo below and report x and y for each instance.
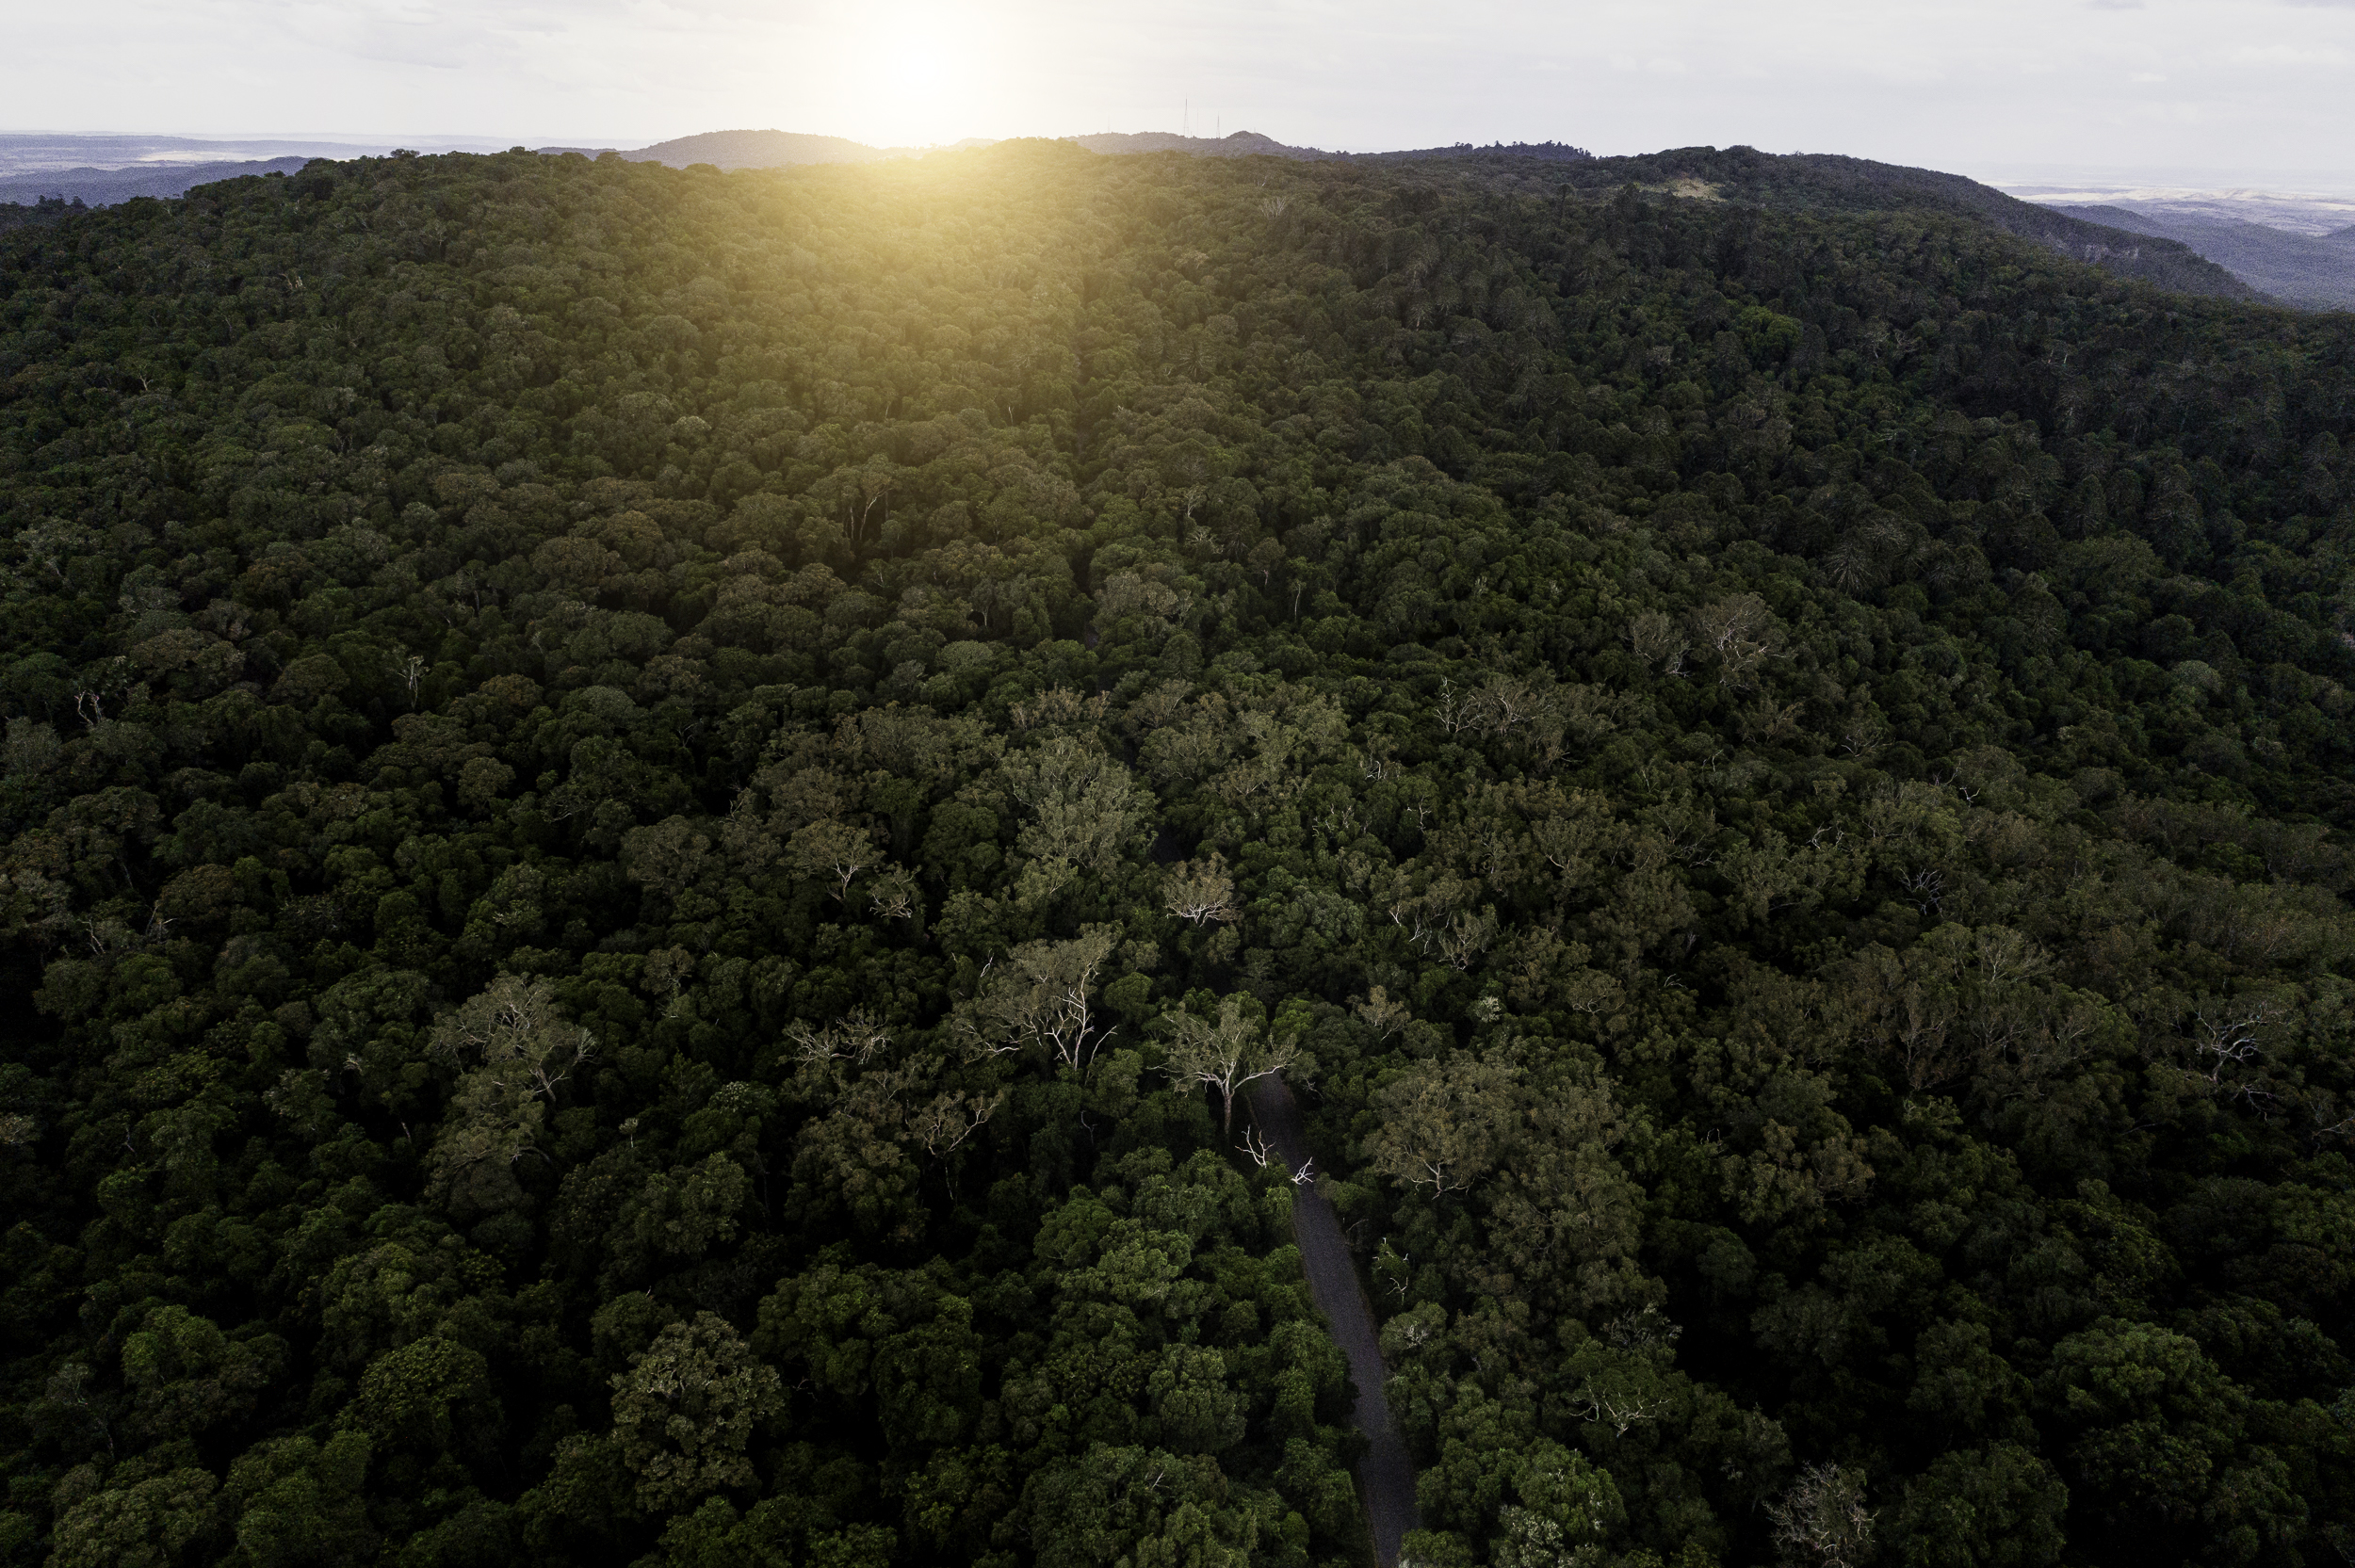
(1386, 1478)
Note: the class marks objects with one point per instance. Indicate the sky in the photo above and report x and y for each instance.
(2234, 91)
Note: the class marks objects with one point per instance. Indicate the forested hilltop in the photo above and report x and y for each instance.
(651, 814)
(1822, 183)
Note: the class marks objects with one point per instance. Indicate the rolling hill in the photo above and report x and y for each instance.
(2315, 271)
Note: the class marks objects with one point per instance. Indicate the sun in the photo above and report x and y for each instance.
(911, 74)
(922, 68)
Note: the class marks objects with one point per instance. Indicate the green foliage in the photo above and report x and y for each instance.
(684, 1412)
(407, 1395)
(631, 799)
(162, 1520)
(301, 1502)
(1998, 1504)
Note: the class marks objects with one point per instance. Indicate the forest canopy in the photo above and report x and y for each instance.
(653, 819)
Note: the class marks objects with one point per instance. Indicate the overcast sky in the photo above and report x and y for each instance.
(2256, 91)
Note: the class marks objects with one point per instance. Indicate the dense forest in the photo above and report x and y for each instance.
(653, 817)
(45, 209)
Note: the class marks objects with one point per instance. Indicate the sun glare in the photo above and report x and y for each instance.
(910, 74)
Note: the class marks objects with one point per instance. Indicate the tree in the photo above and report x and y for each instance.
(1045, 995)
(2158, 1435)
(1996, 1507)
(182, 1376)
(894, 895)
(1823, 1517)
(1085, 809)
(1379, 1012)
(1201, 890)
(683, 1214)
(951, 1117)
(1740, 632)
(303, 1504)
(1227, 1051)
(157, 1523)
(515, 1029)
(1567, 1510)
(684, 1412)
(837, 1051)
(1198, 1411)
(526, 1048)
(1620, 1387)
(1656, 639)
(833, 850)
(1444, 1124)
(667, 858)
(407, 1394)
(1120, 1503)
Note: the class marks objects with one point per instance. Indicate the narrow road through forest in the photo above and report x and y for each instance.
(1386, 1478)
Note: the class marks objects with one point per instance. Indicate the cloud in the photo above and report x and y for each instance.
(1948, 84)
(2287, 54)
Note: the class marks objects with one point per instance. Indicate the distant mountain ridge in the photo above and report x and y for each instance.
(1244, 144)
(770, 149)
(774, 149)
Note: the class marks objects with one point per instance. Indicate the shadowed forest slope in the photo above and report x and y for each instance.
(651, 817)
(1828, 184)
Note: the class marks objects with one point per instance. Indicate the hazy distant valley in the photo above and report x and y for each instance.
(2298, 248)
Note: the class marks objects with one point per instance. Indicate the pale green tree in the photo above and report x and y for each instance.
(1086, 811)
(1042, 994)
(1200, 890)
(1445, 1123)
(524, 1048)
(1226, 1052)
